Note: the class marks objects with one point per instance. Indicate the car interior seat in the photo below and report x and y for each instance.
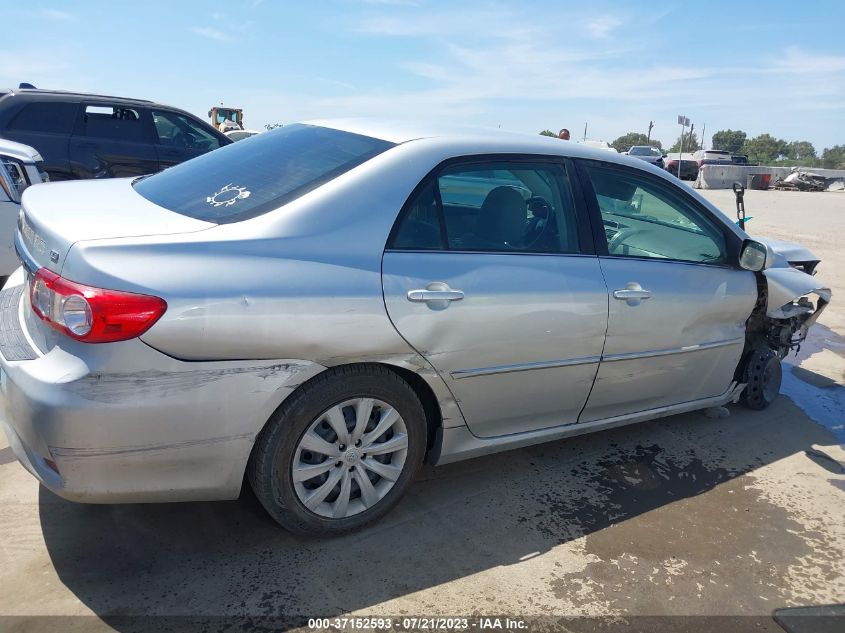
(501, 220)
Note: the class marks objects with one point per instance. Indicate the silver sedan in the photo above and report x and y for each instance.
(323, 307)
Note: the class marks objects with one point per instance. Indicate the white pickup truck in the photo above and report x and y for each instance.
(20, 167)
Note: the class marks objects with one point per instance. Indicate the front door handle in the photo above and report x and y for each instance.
(632, 293)
(437, 295)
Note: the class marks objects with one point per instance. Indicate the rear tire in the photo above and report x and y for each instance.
(306, 434)
(762, 376)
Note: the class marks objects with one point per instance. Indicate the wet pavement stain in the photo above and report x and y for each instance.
(625, 482)
(715, 541)
(821, 397)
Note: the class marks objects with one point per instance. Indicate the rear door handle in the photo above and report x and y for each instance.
(436, 294)
(632, 293)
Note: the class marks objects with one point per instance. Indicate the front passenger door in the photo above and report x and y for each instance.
(676, 326)
(490, 275)
(178, 138)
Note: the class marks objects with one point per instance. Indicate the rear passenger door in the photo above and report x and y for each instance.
(490, 274)
(46, 126)
(112, 141)
(179, 138)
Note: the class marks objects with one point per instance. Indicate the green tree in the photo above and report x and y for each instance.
(765, 148)
(834, 157)
(802, 151)
(626, 141)
(548, 133)
(729, 140)
(690, 144)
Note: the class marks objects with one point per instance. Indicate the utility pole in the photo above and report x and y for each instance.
(650, 125)
(703, 130)
(691, 128)
(585, 130)
(683, 122)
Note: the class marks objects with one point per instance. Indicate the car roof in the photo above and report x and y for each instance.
(34, 95)
(38, 94)
(474, 139)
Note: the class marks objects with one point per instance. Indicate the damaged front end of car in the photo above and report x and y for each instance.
(789, 300)
(792, 296)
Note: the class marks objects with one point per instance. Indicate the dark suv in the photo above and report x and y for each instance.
(94, 136)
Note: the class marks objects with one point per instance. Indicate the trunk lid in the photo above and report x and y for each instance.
(57, 215)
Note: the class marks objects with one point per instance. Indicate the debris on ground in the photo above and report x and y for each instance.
(804, 180)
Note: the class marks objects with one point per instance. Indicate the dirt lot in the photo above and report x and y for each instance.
(682, 516)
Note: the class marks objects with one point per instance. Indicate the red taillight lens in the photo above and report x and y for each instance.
(92, 315)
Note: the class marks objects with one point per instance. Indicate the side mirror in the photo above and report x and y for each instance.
(665, 155)
(754, 256)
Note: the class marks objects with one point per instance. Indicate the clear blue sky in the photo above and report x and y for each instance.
(775, 67)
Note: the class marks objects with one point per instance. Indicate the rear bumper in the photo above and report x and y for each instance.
(128, 424)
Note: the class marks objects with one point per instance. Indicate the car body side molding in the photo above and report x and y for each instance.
(609, 358)
(506, 369)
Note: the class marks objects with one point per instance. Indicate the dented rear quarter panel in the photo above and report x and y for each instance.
(130, 423)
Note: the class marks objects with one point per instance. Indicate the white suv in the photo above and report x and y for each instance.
(712, 157)
(20, 167)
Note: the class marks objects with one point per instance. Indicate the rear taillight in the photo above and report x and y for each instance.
(92, 315)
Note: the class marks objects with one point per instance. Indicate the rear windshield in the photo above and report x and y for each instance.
(644, 151)
(259, 174)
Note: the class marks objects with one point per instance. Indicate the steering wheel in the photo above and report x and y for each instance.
(190, 140)
(619, 239)
(178, 139)
(537, 227)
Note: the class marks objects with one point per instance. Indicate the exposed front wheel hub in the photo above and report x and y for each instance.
(763, 375)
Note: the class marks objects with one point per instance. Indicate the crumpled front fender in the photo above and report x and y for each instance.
(785, 286)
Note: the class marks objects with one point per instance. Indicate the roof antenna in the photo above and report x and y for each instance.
(26, 86)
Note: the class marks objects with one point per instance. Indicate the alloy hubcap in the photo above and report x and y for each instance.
(349, 457)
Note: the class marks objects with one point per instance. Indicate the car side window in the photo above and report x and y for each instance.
(116, 123)
(51, 117)
(420, 228)
(646, 218)
(499, 206)
(175, 130)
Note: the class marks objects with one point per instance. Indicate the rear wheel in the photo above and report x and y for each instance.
(762, 375)
(340, 452)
